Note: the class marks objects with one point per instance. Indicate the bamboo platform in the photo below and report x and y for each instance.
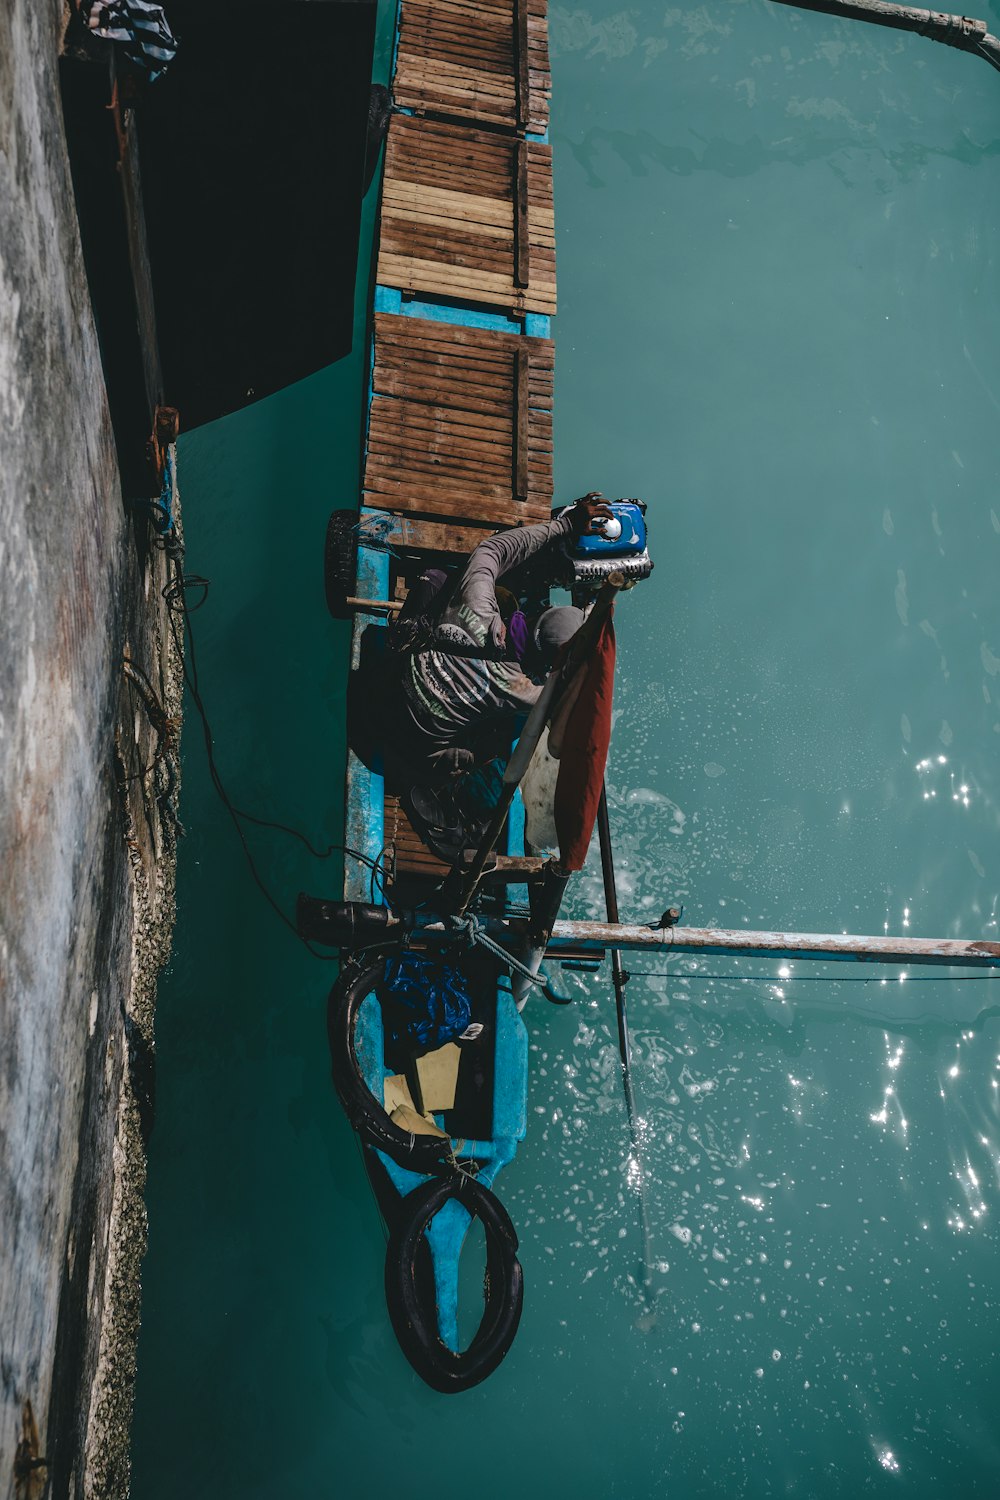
(461, 422)
(485, 60)
(407, 854)
(459, 436)
(468, 214)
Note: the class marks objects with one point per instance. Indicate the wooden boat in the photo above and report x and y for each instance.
(458, 442)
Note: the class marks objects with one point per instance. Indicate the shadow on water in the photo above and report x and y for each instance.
(639, 150)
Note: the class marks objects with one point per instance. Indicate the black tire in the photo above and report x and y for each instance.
(411, 1305)
(419, 1153)
(341, 562)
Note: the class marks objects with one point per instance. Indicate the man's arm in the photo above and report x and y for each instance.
(500, 554)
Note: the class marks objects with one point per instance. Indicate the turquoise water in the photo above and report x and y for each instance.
(779, 324)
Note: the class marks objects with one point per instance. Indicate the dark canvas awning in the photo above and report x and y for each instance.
(252, 151)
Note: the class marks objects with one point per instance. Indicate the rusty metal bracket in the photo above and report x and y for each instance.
(166, 427)
(30, 1468)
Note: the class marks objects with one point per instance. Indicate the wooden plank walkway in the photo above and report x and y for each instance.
(485, 60)
(461, 422)
(468, 214)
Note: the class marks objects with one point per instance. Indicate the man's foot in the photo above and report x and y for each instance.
(436, 818)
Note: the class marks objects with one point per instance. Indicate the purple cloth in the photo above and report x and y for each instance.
(517, 634)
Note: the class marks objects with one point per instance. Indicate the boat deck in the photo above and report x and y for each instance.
(459, 439)
(487, 60)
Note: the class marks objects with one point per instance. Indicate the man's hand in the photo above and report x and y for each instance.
(589, 513)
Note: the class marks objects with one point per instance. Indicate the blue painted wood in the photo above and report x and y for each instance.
(389, 299)
(395, 50)
(448, 1230)
(517, 895)
(365, 793)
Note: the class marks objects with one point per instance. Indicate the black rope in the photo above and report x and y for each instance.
(165, 758)
(175, 594)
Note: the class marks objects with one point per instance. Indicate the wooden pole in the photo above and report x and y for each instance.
(817, 946)
(373, 606)
(963, 32)
(581, 938)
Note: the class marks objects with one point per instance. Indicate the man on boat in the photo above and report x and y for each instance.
(468, 675)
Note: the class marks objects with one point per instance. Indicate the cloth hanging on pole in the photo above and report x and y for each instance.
(139, 27)
(584, 755)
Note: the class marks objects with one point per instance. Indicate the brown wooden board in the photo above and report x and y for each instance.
(406, 854)
(484, 60)
(444, 537)
(460, 424)
(468, 214)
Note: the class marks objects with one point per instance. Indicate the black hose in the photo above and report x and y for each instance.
(418, 1153)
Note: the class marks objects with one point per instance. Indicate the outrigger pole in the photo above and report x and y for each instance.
(833, 947)
(963, 32)
(619, 978)
(351, 923)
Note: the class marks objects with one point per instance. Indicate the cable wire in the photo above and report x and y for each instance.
(809, 978)
(175, 595)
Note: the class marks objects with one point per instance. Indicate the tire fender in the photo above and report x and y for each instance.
(412, 1309)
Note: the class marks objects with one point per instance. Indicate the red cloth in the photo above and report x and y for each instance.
(585, 754)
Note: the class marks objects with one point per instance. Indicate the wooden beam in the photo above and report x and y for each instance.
(522, 80)
(520, 455)
(814, 946)
(522, 236)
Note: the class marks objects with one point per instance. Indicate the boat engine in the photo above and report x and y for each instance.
(619, 547)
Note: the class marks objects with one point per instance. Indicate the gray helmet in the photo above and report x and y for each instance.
(554, 628)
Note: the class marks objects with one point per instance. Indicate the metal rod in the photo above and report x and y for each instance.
(619, 978)
(822, 947)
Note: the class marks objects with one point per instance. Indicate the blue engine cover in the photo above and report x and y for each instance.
(632, 541)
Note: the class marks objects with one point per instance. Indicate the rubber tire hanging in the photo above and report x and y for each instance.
(412, 1309)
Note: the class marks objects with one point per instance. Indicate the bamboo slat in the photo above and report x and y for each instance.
(442, 537)
(407, 854)
(440, 500)
(475, 60)
(469, 215)
(460, 421)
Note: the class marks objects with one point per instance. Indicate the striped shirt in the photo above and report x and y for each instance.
(447, 695)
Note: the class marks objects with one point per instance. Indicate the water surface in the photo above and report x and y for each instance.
(779, 324)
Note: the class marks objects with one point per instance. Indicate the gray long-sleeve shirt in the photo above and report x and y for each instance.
(449, 694)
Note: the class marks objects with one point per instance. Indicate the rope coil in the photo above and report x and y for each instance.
(475, 935)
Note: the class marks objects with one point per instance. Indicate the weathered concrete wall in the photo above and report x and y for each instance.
(85, 847)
